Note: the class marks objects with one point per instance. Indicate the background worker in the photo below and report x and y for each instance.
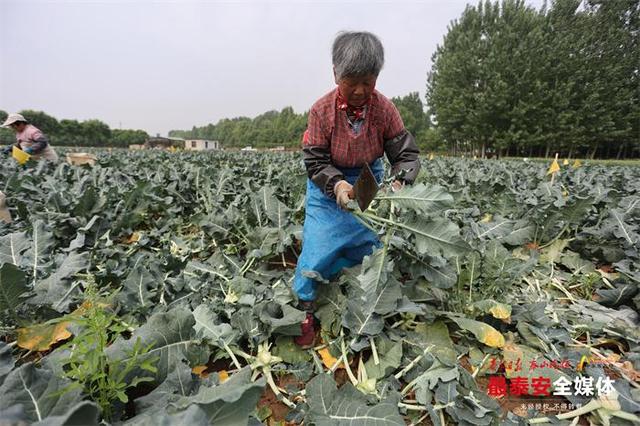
(29, 138)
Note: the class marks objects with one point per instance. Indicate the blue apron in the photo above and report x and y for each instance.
(332, 238)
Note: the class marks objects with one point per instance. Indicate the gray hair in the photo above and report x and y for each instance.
(356, 54)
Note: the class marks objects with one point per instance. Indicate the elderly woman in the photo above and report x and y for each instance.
(29, 138)
(351, 125)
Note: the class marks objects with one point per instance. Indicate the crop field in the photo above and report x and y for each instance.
(154, 288)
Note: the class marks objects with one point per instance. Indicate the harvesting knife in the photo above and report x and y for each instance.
(365, 188)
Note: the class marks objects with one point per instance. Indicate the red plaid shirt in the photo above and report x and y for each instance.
(328, 128)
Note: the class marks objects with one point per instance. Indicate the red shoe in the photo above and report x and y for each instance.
(308, 336)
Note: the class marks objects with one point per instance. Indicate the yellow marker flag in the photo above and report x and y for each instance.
(431, 156)
(580, 366)
(554, 168)
(565, 162)
(576, 164)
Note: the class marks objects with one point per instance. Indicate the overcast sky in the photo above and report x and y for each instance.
(162, 65)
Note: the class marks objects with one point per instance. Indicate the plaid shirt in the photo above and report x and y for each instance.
(330, 141)
(328, 128)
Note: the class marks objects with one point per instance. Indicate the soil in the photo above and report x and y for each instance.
(279, 410)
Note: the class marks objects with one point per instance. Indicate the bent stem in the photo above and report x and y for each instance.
(266, 371)
(347, 367)
(374, 351)
(232, 355)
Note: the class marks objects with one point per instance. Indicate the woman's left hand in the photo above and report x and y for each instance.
(397, 185)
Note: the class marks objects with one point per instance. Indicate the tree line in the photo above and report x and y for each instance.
(94, 133)
(519, 81)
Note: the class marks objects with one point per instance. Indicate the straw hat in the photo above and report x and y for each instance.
(13, 118)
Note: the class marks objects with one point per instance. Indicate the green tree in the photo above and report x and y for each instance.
(270, 129)
(476, 89)
(69, 133)
(610, 60)
(520, 81)
(95, 132)
(413, 115)
(124, 137)
(7, 136)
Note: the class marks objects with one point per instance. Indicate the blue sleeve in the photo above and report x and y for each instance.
(39, 144)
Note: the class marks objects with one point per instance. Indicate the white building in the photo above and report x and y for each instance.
(200, 145)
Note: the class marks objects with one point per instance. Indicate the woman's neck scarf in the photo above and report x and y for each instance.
(357, 112)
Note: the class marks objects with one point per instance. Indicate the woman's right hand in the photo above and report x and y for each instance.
(344, 193)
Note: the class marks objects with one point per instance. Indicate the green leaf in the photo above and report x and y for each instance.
(39, 392)
(331, 303)
(210, 327)
(361, 322)
(58, 288)
(268, 209)
(13, 284)
(437, 237)
(346, 406)
(39, 251)
(140, 287)
(436, 334)
(229, 403)
(483, 332)
(169, 336)
(179, 383)
(446, 392)
(282, 319)
(88, 203)
(575, 263)
(421, 198)
(495, 229)
(377, 292)
(601, 316)
(12, 247)
(622, 229)
(6, 361)
(290, 353)
(194, 415)
(552, 253)
(521, 232)
(436, 270)
(122, 397)
(616, 296)
(501, 269)
(437, 372)
(490, 306)
(390, 357)
(84, 413)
